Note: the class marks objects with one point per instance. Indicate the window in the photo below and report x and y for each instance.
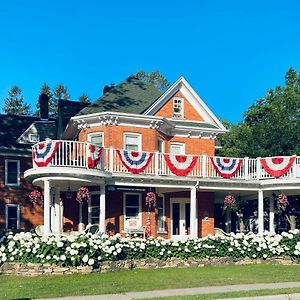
(97, 139)
(177, 108)
(161, 213)
(177, 148)
(34, 138)
(132, 210)
(12, 172)
(95, 209)
(12, 216)
(132, 142)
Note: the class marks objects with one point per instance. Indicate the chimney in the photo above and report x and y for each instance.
(44, 106)
(107, 88)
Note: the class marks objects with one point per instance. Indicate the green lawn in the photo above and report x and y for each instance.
(12, 287)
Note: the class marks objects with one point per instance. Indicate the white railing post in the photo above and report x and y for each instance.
(86, 154)
(156, 163)
(246, 167)
(111, 159)
(258, 168)
(204, 165)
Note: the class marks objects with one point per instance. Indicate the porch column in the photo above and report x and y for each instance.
(271, 216)
(102, 209)
(80, 225)
(57, 224)
(193, 209)
(47, 198)
(260, 212)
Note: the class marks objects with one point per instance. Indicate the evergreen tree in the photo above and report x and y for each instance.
(14, 103)
(84, 98)
(61, 92)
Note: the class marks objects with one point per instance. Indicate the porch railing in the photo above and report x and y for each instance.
(75, 154)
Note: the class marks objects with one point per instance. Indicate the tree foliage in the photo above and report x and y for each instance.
(155, 78)
(84, 98)
(271, 126)
(14, 103)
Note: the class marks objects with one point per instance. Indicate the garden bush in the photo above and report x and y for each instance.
(87, 249)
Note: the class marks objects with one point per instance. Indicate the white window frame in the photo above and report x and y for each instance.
(90, 135)
(31, 135)
(139, 139)
(6, 172)
(177, 115)
(6, 214)
(140, 209)
(178, 144)
(162, 230)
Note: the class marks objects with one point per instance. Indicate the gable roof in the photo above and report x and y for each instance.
(12, 127)
(181, 84)
(130, 96)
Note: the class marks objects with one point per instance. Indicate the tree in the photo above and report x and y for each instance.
(155, 78)
(84, 98)
(271, 126)
(14, 103)
(61, 92)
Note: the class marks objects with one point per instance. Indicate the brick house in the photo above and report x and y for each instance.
(134, 140)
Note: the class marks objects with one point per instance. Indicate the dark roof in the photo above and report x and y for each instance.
(13, 126)
(66, 110)
(130, 96)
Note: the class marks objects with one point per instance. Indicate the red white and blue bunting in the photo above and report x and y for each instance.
(43, 153)
(277, 166)
(94, 154)
(180, 165)
(226, 167)
(135, 162)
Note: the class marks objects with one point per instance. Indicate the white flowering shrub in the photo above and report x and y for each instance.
(90, 250)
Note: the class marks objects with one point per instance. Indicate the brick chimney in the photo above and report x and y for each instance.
(44, 106)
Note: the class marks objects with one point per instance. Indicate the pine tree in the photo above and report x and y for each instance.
(14, 104)
(61, 92)
(84, 98)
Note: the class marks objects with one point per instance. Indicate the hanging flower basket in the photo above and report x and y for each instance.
(230, 202)
(151, 199)
(83, 194)
(282, 202)
(36, 198)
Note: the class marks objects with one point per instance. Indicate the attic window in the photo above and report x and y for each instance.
(177, 108)
(34, 138)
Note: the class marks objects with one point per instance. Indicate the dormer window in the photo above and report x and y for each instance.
(34, 138)
(177, 108)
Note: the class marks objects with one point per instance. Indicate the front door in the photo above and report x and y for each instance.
(180, 218)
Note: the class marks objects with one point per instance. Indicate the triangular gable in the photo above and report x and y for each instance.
(192, 97)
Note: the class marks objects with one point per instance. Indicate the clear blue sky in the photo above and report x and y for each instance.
(231, 52)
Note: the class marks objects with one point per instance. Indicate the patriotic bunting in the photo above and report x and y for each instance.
(94, 154)
(226, 167)
(277, 166)
(43, 153)
(180, 165)
(133, 161)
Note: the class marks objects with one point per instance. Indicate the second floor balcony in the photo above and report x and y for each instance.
(109, 161)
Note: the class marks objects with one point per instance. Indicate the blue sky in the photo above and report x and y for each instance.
(231, 52)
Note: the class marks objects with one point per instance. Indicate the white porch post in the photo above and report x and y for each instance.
(260, 212)
(47, 198)
(80, 217)
(193, 206)
(271, 216)
(57, 224)
(102, 209)
(89, 213)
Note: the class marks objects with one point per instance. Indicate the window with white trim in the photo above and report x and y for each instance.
(177, 148)
(161, 213)
(12, 216)
(34, 137)
(12, 172)
(97, 138)
(178, 108)
(132, 142)
(94, 209)
(132, 210)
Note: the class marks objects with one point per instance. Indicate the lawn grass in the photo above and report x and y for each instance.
(230, 294)
(12, 287)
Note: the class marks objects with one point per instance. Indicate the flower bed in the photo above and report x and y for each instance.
(91, 250)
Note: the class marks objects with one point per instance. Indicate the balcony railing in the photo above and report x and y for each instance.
(78, 155)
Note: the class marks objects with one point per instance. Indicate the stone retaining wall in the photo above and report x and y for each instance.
(31, 269)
